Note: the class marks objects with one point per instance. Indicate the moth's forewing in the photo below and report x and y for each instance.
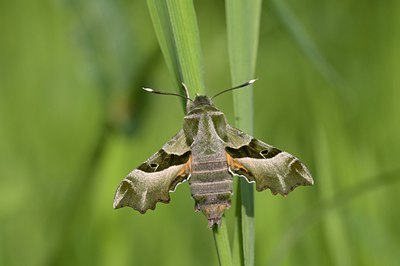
(264, 164)
(152, 181)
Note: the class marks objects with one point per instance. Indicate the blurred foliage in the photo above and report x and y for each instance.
(74, 122)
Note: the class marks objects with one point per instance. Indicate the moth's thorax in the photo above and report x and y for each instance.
(204, 123)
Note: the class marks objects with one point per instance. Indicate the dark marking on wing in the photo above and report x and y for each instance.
(163, 160)
(254, 150)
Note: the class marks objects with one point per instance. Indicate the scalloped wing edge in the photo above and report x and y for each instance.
(142, 191)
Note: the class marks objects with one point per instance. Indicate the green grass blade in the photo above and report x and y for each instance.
(243, 18)
(222, 244)
(163, 29)
(176, 28)
(187, 39)
(237, 243)
(177, 31)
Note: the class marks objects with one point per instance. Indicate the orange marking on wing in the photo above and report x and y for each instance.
(187, 167)
(233, 164)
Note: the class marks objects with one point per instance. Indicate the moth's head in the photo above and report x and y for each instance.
(203, 101)
(199, 102)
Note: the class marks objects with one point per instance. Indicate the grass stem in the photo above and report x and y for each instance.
(243, 18)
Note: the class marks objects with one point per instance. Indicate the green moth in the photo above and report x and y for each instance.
(207, 153)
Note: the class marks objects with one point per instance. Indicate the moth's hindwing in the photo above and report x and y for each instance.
(152, 181)
(264, 164)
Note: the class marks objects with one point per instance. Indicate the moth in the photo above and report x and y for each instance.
(207, 152)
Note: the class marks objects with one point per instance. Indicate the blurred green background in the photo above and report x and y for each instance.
(74, 122)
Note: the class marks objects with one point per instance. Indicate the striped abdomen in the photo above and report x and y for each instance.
(211, 186)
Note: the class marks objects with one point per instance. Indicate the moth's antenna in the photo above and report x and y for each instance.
(186, 90)
(237, 87)
(166, 93)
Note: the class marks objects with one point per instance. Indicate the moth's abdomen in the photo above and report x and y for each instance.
(211, 186)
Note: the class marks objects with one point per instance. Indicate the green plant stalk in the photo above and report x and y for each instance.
(178, 35)
(222, 244)
(177, 32)
(243, 19)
